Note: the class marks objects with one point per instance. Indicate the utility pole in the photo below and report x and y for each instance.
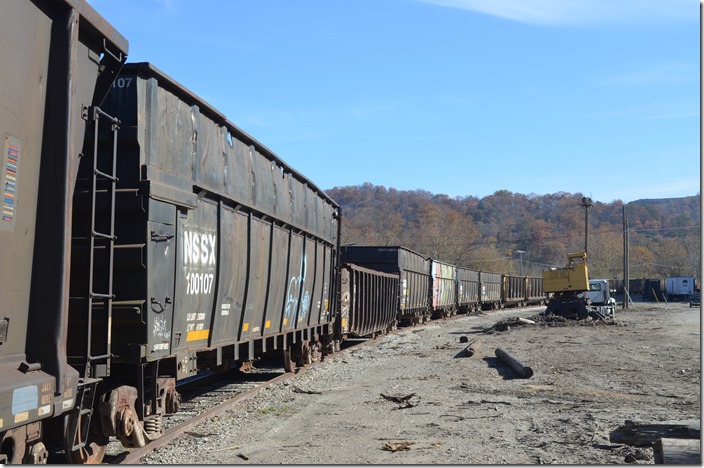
(586, 204)
(520, 253)
(626, 272)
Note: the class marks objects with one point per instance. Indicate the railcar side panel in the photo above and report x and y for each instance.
(232, 277)
(196, 262)
(444, 287)
(468, 289)
(513, 289)
(294, 282)
(368, 300)
(258, 278)
(277, 281)
(490, 294)
(535, 293)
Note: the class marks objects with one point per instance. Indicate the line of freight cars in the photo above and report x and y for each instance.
(144, 238)
(423, 288)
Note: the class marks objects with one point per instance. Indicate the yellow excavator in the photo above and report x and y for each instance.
(568, 286)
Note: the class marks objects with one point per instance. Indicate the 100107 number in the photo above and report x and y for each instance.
(199, 283)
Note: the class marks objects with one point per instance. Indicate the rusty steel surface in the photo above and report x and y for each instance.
(534, 292)
(514, 289)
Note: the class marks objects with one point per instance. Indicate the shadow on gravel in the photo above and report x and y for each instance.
(473, 330)
(502, 369)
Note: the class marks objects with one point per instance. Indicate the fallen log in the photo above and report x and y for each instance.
(524, 372)
(638, 433)
(677, 452)
(473, 347)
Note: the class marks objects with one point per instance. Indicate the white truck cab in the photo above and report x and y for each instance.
(599, 293)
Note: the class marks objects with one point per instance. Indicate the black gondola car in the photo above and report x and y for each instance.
(468, 290)
(491, 290)
(414, 272)
(368, 300)
(221, 251)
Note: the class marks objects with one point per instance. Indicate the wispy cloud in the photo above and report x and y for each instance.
(566, 12)
(671, 189)
(167, 6)
(660, 74)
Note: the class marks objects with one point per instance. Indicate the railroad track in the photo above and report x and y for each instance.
(212, 396)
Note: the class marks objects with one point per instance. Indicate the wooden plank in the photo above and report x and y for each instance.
(638, 433)
(678, 452)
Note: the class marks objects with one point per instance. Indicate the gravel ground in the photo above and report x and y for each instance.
(455, 409)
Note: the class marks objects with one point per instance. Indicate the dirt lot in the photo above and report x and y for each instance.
(588, 379)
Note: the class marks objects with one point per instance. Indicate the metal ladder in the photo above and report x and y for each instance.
(105, 181)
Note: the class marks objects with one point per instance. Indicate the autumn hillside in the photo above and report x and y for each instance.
(490, 233)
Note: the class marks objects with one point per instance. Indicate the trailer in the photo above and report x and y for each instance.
(679, 288)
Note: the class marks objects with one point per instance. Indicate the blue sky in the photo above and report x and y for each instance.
(456, 97)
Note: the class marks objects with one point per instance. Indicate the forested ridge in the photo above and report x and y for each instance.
(512, 233)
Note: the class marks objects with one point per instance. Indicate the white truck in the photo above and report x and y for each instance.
(599, 298)
(679, 288)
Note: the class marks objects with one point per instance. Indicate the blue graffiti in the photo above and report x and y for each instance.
(292, 294)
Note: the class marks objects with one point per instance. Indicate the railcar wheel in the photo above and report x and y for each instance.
(93, 450)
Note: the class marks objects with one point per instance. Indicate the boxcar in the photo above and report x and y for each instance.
(414, 276)
(57, 61)
(491, 287)
(443, 302)
(368, 301)
(222, 251)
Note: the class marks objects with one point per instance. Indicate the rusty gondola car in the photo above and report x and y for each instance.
(534, 291)
(222, 252)
(513, 290)
(58, 61)
(368, 300)
(413, 305)
(521, 291)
